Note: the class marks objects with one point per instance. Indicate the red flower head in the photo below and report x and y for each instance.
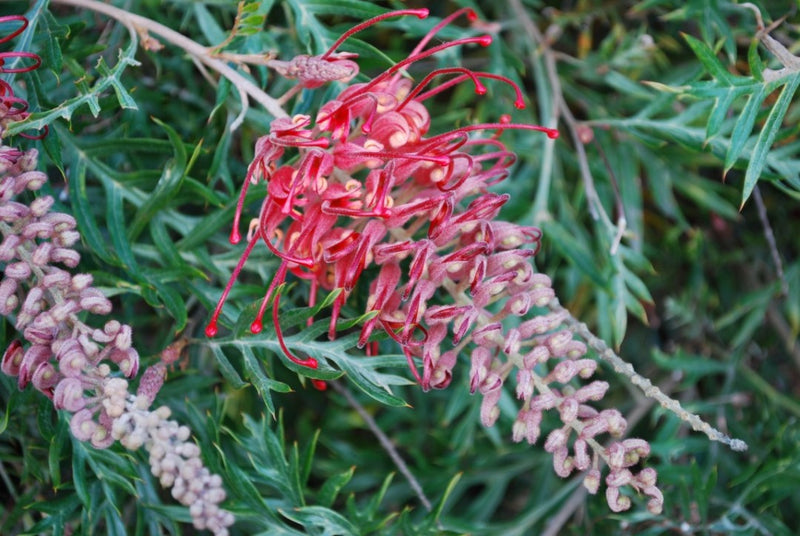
(328, 226)
(372, 188)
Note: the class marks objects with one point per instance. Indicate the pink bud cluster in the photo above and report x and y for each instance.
(175, 461)
(67, 360)
(82, 369)
(370, 187)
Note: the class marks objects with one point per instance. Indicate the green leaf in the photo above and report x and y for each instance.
(709, 59)
(166, 188)
(767, 136)
(573, 250)
(87, 224)
(110, 79)
(744, 126)
(227, 369)
(260, 381)
(331, 488)
(324, 519)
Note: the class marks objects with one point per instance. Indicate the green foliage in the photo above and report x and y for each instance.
(689, 292)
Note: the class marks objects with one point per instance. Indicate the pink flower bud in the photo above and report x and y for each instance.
(557, 439)
(68, 257)
(37, 229)
(18, 270)
(568, 410)
(594, 391)
(563, 372)
(12, 358)
(8, 297)
(647, 477)
(69, 395)
(655, 505)
(539, 354)
(582, 458)
(45, 378)
(56, 278)
(592, 481)
(82, 425)
(524, 384)
(615, 454)
(41, 205)
(512, 342)
(41, 255)
(616, 501)
(489, 409)
(34, 356)
(562, 463)
(12, 211)
(151, 382)
(575, 349)
(8, 248)
(557, 342)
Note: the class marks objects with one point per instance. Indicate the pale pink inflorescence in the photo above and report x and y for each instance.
(372, 188)
(84, 370)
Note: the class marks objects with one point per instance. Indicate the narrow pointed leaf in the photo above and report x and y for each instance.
(767, 136)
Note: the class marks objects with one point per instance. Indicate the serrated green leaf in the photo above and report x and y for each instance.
(89, 96)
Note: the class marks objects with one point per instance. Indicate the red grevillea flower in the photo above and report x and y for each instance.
(371, 187)
(327, 226)
(13, 108)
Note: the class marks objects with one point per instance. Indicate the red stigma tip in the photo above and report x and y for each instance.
(319, 384)
(256, 327)
(505, 118)
(485, 40)
(471, 15)
(552, 134)
(422, 13)
(480, 90)
(211, 329)
(519, 104)
(235, 237)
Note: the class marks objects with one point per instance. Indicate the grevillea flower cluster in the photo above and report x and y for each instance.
(366, 186)
(84, 370)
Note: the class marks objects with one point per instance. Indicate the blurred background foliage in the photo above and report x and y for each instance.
(668, 122)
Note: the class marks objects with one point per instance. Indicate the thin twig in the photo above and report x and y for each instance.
(790, 62)
(770, 236)
(199, 53)
(385, 442)
(622, 222)
(595, 206)
(651, 391)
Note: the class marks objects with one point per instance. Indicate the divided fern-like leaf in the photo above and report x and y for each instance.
(726, 89)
